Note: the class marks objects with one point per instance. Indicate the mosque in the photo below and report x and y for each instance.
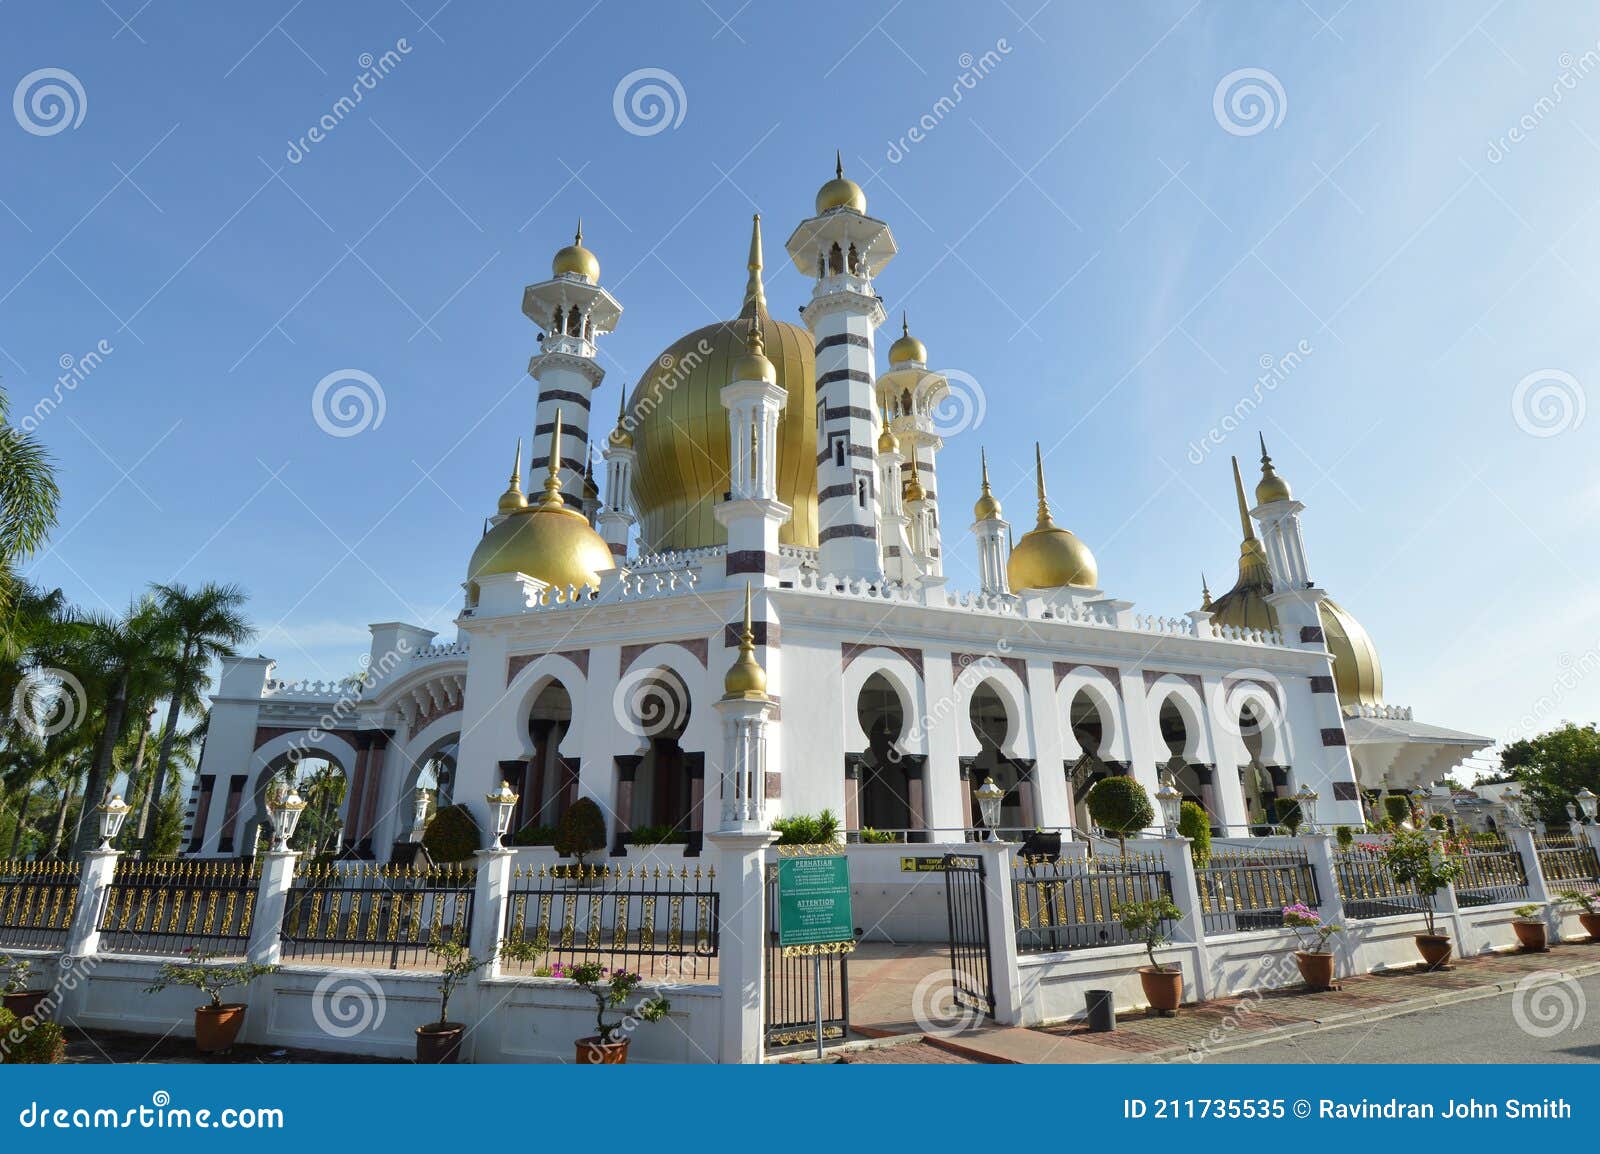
(751, 618)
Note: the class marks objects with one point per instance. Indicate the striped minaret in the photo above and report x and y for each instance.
(843, 248)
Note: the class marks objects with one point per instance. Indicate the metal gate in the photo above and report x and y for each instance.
(791, 1007)
(967, 900)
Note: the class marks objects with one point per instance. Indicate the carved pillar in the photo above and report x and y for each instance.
(622, 819)
(1027, 792)
(852, 791)
(916, 768)
(1206, 776)
(694, 767)
(967, 786)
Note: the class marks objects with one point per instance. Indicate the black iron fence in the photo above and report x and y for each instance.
(376, 915)
(1072, 903)
(1570, 867)
(792, 984)
(1492, 871)
(37, 900)
(1368, 888)
(1247, 889)
(967, 904)
(172, 907)
(660, 923)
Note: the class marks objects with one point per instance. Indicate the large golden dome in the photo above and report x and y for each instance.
(682, 433)
(1048, 556)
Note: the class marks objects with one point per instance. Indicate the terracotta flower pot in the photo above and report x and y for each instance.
(1531, 936)
(1434, 948)
(1315, 968)
(594, 1052)
(439, 1043)
(1591, 925)
(1163, 989)
(216, 1027)
(26, 1004)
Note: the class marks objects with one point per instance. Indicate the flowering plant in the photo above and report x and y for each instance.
(1309, 927)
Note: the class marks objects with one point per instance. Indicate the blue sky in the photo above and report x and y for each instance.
(1082, 234)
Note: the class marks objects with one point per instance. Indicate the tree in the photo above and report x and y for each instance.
(203, 625)
(28, 498)
(1121, 806)
(1553, 766)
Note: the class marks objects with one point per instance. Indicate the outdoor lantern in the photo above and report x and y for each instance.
(285, 814)
(419, 809)
(1306, 799)
(1512, 800)
(502, 802)
(112, 814)
(1572, 812)
(1171, 807)
(989, 796)
(1587, 802)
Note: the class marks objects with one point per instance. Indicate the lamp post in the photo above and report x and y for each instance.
(501, 803)
(1171, 807)
(112, 814)
(1512, 800)
(989, 797)
(419, 812)
(1306, 799)
(1588, 802)
(285, 813)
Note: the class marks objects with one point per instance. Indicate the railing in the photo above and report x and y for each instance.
(790, 997)
(1492, 871)
(1573, 867)
(1368, 888)
(36, 903)
(659, 923)
(170, 907)
(1244, 890)
(372, 915)
(1071, 904)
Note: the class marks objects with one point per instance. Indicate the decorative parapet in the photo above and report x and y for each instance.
(1247, 636)
(443, 649)
(856, 587)
(1173, 626)
(675, 559)
(1380, 712)
(313, 690)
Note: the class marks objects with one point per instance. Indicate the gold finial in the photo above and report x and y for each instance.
(1271, 487)
(620, 437)
(887, 441)
(905, 324)
(1244, 509)
(552, 483)
(577, 237)
(1038, 480)
(745, 676)
(513, 498)
(914, 490)
(987, 508)
(755, 294)
(838, 164)
(1205, 594)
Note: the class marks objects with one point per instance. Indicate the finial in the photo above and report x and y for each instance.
(552, 483)
(513, 498)
(622, 404)
(745, 676)
(838, 164)
(1244, 509)
(516, 467)
(983, 465)
(578, 237)
(1205, 594)
(905, 324)
(1265, 460)
(1038, 476)
(747, 639)
(755, 294)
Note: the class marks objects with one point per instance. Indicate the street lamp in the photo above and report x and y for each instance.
(502, 802)
(285, 813)
(1587, 802)
(989, 797)
(1512, 800)
(1171, 807)
(419, 812)
(1306, 799)
(112, 814)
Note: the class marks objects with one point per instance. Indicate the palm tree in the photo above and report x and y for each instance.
(203, 625)
(28, 497)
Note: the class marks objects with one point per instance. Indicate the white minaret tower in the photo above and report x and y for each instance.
(843, 248)
(572, 310)
(918, 509)
(1279, 515)
(754, 399)
(911, 394)
(899, 563)
(991, 533)
(616, 515)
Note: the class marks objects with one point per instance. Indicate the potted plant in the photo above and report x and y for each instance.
(610, 989)
(1530, 926)
(1148, 922)
(217, 1023)
(440, 1042)
(1313, 957)
(1120, 806)
(1424, 862)
(41, 1044)
(21, 999)
(1588, 907)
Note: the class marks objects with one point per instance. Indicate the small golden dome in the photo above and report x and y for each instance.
(1272, 487)
(913, 489)
(754, 365)
(620, 437)
(887, 441)
(840, 193)
(547, 541)
(513, 498)
(907, 347)
(1048, 556)
(987, 508)
(576, 260)
(745, 676)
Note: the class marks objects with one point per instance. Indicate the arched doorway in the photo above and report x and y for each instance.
(1258, 780)
(1092, 732)
(548, 782)
(888, 783)
(1194, 782)
(661, 792)
(991, 724)
(323, 784)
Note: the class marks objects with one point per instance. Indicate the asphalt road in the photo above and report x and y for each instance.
(1559, 1023)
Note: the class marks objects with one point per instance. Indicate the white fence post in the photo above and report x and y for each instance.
(492, 890)
(1005, 976)
(1320, 852)
(272, 900)
(94, 878)
(1190, 930)
(742, 945)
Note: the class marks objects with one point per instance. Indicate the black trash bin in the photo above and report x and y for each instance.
(1102, 1011)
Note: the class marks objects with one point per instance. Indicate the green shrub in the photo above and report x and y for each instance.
(1290, 817)
(1150, 922)
(43, 1045)
(452, 835)
(1437, 821)
(1196, 826)
(535, 835)
(582, 830)
(1121, 806)
(1345, 836)
(657, 835)
(870, 836)
(1396, 807)
(807, 828)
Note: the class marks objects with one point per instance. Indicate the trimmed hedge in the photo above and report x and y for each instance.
(1121, 805)
(582, 829)
(1196, 826)
(453, 835)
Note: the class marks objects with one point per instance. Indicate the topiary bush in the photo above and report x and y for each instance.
(657, 835)
(1396, 807)
(807, 828)
(1345, 836)
(452, 835)
(582, 830)
(1121, 806)
(1196, 826)
(535, 835)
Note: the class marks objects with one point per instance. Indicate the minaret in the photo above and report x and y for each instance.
(513, 498)
(843, 249)
(1279, 514)
(753, 514)
(912, 394)
(591, 489)
(917, 509)
(898, 562)
(991, 533)
(616, 517)
(747, 777)
(572, 310)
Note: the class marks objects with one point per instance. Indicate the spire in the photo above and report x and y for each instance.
(838, 164)
(516, 467)
(905, 324)
(745, 676)
(987, 508)
(552, 483)
(1253, 567)
(513, 498)
(1272, 487)
(578, 236)
(914, 490)
(1038, 479)
(755, 294)
(1205, 594)
(1244, 508)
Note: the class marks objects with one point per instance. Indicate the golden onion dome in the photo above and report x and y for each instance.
(1048, 556)
(745, 676)
(1272, 487)
(840, 193)
(682, 435)
(987, 508)
(548, 541)
(575, 260)
(513, 498)
(907, 347)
